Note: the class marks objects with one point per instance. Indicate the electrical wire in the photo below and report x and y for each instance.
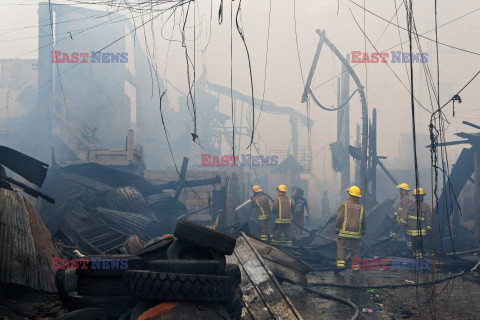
(420, 35)
(240, 32)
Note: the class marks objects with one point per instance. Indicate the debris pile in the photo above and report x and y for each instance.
(99, 208)
(185, 274)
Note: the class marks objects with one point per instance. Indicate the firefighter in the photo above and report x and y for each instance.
(350, 227)
(301, 205)
(419, 222)
(260, 202)
(399, 220)
(283, 207)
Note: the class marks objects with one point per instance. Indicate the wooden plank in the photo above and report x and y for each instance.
(263, 295)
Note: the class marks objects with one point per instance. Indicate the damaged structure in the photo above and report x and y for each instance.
(125, 195)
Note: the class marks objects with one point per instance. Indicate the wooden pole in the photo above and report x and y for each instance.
(373, 148)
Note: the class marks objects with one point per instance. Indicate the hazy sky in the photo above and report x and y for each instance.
(18, 32)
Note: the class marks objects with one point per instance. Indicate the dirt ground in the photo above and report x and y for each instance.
(20, 303)
(455, 299)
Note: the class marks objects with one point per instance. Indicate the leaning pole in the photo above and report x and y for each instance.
(363, 161)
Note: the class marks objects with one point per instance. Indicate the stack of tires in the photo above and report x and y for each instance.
(103, 287)
(194, 270)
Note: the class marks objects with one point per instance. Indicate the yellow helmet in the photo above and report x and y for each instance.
(282, 188)
(403, 186)
(256, 188)
(418, 191)
(354, 191)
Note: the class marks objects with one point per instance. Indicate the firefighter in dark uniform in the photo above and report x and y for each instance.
(301, 205)
(419, 224)
(399, 220)
(283, 207)
(350, 227)
(260, 202)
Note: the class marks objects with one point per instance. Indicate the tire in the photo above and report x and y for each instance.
(83, 314)
(66, 282)
(233, 271)
(155, 250)
(181, 250)
(205, 237)
(235, 307)
(179, 287)
(113, 306)
(100, 273)
(203, 267)
(105, 287)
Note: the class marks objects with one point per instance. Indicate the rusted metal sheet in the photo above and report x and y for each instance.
(44, 250)
(263, 296)
(25, 244)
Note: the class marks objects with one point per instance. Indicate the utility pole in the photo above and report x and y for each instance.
(357, 162)
(42, 130)
(373, 154)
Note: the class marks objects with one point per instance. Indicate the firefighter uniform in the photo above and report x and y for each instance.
(350, 227)
(399, 219)
(283, 207)
(419, 224)
(260, 202)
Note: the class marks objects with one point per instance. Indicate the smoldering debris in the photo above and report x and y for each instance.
(99, 208)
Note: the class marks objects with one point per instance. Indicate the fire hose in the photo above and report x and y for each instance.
(332, 297)
(385, 286)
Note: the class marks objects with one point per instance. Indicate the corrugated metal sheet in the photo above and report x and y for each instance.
(44, 249)
(25, 244)
(125, 199)
(80, 218)
(102, 239)
(130, 223)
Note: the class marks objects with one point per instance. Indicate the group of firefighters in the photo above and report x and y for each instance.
(285, 210)
(412, 219)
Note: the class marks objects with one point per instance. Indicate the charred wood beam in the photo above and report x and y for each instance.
(6, 181)
(380, 164)
(183, 184)
(116, 178)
